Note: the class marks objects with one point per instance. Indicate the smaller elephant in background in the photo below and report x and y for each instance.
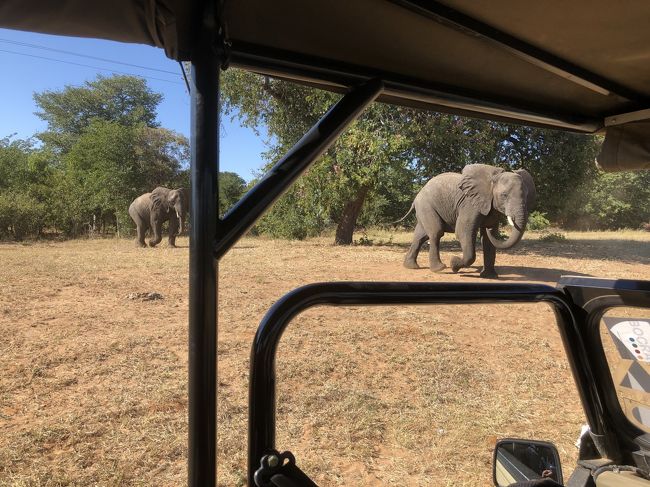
(469, 203)
(151, 210)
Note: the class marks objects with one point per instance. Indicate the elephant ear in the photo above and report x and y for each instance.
(476, 185)
(158, 197)
(529, 184)
(185, 194)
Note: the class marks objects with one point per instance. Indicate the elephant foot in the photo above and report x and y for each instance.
(411, 264)
(456, 264)
(489, 274)
(152, 244)
(142, 245)
(438, 267)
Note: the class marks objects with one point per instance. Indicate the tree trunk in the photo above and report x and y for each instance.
(117, 224)
(345, 228)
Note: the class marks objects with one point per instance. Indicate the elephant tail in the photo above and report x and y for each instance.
(407, 214)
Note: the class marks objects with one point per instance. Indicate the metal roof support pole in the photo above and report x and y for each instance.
(203, 268)
(316, 141)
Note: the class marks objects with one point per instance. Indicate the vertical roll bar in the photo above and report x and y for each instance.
(203, 268)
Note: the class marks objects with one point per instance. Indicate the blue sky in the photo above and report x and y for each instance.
(27, 72)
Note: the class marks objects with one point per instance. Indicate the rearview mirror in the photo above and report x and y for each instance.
(522, 460)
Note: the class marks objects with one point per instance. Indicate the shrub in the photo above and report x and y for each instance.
(364, 240)
(538, 221)
(20, 215)
(293, 217)
(553, 237)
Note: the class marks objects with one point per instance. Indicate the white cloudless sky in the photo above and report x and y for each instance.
(32, 62)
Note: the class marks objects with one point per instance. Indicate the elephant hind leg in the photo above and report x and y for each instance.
(140, 226)
(433, 227)
(419, 237)
(435, 264)
(141, 231)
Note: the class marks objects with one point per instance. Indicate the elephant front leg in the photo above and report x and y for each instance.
(173, 231)
(156, 228)
(489, 256)
(466, 234)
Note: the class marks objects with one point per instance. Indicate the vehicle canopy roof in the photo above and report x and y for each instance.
(579, 65)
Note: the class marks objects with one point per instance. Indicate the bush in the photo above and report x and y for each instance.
(538, 221)
(20, 215)
(364, 240)
(293, 217)
(553, 237)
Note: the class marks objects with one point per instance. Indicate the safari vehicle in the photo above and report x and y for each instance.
(578, 66)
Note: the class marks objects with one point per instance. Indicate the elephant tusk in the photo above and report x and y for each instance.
(512, 224)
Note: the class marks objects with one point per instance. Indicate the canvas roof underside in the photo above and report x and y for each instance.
(579, 65)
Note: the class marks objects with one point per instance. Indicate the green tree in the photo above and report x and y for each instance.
(104, 147)
(561, 163)
(231, 189)
(125, 100)
(337, 186)
(611, 201)
(25, 187)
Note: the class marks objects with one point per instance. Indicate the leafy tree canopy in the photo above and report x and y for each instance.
(231, 189)
(371, 174)
(103, 147)
(125, 100)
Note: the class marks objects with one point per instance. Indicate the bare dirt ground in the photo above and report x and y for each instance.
(93, 383)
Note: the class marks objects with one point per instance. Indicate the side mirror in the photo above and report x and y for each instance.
(522, 460)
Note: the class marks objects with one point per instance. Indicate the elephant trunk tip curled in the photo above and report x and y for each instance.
(516, 233)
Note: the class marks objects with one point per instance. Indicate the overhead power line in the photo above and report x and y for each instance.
(187, 83)
(89, 66)
(45, 48)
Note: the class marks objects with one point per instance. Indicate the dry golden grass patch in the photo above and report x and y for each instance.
(93, 384)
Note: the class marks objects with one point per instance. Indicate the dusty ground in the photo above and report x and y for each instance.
(92, 389)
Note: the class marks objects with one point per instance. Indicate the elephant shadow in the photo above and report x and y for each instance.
(623, 250)
(527, 273)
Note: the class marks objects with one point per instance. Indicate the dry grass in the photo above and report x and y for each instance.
(93, 390)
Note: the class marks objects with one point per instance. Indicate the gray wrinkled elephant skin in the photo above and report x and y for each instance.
(467, 203)
(151, 210)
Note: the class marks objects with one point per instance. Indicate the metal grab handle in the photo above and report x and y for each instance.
(280, 470)
(261, 432)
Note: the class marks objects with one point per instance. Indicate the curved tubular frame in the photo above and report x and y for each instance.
(262, 394)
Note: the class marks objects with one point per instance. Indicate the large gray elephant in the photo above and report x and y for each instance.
(151, 210)
(466, 203)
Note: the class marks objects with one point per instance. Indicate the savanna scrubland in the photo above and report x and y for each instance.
(93, 331)
(93, 390)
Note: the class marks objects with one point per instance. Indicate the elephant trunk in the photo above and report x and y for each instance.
(518, 226)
